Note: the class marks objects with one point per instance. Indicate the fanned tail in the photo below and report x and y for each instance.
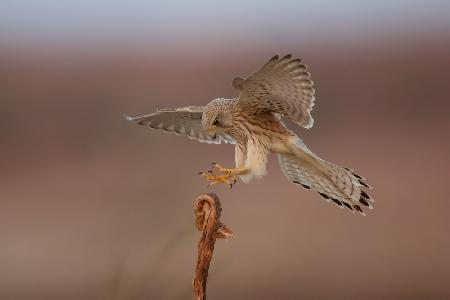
(334, 183)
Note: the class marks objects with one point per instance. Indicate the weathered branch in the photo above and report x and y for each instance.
(207, 220)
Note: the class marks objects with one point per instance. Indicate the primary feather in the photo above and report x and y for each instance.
(182, 121)
(282, 86)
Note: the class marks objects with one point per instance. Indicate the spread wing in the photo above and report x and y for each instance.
(182, 121)
(282, 85)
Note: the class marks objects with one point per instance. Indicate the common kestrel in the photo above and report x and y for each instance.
(253, 122)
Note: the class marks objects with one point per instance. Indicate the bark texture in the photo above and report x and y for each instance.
(207, 220)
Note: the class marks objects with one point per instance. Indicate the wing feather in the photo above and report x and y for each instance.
(181, 121)
(282, 85)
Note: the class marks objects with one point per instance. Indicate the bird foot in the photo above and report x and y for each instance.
(222, 169)
(227, 176)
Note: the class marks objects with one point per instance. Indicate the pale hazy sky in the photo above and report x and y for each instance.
(51, 17)
(156, 20)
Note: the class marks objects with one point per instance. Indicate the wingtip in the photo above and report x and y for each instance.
(128, 118)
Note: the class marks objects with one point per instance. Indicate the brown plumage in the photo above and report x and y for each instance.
(282, 87)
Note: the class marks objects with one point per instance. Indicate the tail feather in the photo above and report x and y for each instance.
(334, 183)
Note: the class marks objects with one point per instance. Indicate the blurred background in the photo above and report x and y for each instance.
(92, 207)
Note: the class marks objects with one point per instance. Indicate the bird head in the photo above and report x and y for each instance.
(216, 117)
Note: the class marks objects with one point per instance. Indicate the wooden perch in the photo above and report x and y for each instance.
(207, 220)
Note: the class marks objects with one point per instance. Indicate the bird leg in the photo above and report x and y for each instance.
(232, 171)
(228, 176)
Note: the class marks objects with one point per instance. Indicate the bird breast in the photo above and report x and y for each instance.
(256, 158)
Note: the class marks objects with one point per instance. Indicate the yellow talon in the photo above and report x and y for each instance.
(222, 169)
(228, 177)
(215, 179)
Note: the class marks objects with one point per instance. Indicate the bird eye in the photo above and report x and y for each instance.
(216, 122)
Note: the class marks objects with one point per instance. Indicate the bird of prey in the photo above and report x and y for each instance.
(253, 122)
